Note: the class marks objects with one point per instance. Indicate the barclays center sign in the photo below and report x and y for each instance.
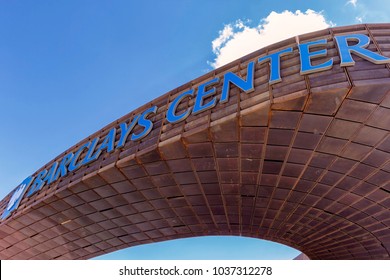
(205, 98)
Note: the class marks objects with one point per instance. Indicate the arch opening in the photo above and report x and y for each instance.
(207, 248)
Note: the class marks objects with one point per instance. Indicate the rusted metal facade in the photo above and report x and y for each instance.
(304, 162)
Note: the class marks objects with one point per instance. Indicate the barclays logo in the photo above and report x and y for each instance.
(17, 196)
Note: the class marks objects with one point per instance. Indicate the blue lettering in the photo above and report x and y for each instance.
(246, 86)
(63, 167)
(73, 165)
(144, 122)
(38, 183)
(306, 56)
(107, 144)
(274, 58)
(203, 93)
(50, 177)
(88, 157)
(359, 49)
(171, 113)
(125, 131)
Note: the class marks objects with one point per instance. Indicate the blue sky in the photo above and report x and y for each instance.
(68, 68)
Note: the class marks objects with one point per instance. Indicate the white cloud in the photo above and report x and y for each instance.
(352, 2)
(224, 36)
(238, 39)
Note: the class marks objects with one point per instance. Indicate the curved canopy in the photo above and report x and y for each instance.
(303, 160)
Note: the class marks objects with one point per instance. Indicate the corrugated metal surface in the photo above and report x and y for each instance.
(304, 162)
